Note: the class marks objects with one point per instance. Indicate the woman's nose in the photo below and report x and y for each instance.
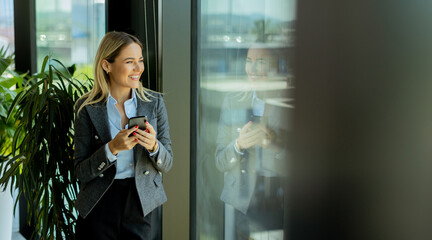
(253, 66)
(139, 67)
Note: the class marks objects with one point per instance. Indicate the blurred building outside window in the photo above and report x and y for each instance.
(7, 26)
(70, 31)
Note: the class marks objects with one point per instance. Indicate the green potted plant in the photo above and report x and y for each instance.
(10, 83)
(9, 87)
(42, 161)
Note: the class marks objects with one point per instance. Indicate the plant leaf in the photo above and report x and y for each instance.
(4, 64)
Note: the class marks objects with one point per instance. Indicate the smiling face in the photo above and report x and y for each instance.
(125, 71)
(257, 63)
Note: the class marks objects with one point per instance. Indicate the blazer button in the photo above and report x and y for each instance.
(101, 175)
(159, 162)
(146, 173)
(96, 137)
(243, 171)
(232, 160)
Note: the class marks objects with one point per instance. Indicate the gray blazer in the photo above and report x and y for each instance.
(96, 173)
(239, 177)
(240, 171)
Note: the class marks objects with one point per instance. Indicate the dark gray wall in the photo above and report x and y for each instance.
(363, 121)
(176, 79)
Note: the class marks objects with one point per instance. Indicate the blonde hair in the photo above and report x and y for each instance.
(109, 48)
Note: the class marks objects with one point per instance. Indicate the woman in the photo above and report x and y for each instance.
(250, 136)
(119, 167)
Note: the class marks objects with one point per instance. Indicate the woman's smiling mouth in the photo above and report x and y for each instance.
(134, 77)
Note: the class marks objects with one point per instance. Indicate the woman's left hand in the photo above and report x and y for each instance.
(147, 138)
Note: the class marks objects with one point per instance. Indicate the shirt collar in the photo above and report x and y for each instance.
(112, 101)
(134, 98)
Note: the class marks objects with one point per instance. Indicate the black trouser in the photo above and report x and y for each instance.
(118, 215)
(265, 212)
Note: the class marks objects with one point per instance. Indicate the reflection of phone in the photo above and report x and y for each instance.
(255, 121)
(140, 121)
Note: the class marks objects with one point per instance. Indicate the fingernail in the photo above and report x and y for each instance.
(250, 121)
(134, 134)
(146, 131)
(136, 139)
(146, 122)
(136, 126)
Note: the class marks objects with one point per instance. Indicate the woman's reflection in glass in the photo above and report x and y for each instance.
(250, 147)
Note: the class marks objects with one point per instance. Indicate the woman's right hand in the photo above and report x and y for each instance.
(122, 141)
(250, 135)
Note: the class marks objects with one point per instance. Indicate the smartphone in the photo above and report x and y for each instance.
(255, 119)
(140, 121)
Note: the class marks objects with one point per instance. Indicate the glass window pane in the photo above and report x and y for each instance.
(7, 25)
(245, 53)
(69, 31)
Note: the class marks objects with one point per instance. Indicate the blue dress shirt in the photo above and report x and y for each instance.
(125, 159)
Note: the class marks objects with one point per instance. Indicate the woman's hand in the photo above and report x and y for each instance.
(250, 135)
(147, 138)
(122, 141)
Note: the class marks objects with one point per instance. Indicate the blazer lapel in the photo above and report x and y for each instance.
(143, 109)
(99, 117)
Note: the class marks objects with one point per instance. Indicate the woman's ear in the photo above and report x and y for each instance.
(106, 66)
